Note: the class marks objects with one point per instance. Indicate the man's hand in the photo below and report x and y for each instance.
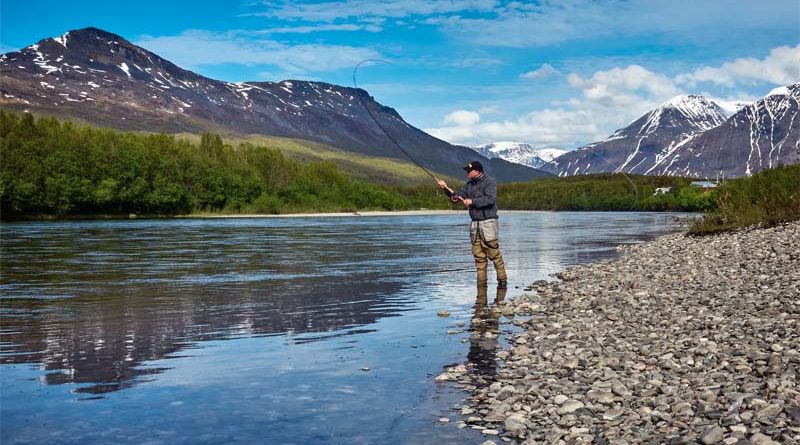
(441, 184)
(467, 202)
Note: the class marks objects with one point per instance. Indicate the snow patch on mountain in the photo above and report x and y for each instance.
(519, 153)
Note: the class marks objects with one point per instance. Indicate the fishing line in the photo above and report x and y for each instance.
(355, 84)
(408, 155)
(616, 170)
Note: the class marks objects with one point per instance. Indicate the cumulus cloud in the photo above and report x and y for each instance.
(542, 128)
(621, 87)
(543, 72)
(197, 48)
(462, 118)
(781, 66)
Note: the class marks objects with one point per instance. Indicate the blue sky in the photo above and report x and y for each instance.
(551, 73)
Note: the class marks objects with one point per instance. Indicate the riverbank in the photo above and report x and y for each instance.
(680, 340)
(334, 214)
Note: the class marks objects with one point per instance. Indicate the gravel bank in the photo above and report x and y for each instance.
(680, 340)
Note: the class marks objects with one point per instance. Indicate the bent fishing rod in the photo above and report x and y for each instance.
(408, 155)
(374, 119)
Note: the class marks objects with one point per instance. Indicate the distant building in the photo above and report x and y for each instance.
(705, 185)
(662, 190)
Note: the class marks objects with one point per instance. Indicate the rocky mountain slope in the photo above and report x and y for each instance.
(758, 136)
(519, 153)
(635, 148)
(101, 78)
(695, 136)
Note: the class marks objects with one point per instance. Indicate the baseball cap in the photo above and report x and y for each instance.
(474, 165)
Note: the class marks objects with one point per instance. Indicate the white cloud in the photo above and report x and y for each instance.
(196, 48)
(781, 66)
(543, 72)
(320, 28)
(361, 9)
(623, 87)
(526, 24)
(542, 128)
(462, 118)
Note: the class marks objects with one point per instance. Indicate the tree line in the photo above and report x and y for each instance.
(54, 168)
(48, 167)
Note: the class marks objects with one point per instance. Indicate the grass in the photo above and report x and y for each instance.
(362, 167)
(765, 199)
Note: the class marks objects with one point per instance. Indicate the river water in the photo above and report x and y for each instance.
(260, 330)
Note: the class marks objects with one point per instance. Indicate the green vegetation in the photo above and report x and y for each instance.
(605, 191)
(366, 168)
(57, 168)
(765, 199)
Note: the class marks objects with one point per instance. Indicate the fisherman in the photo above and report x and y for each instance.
(479, 195)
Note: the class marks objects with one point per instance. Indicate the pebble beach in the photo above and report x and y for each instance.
(678, 340)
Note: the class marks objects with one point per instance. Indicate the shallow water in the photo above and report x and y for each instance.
(256, 330)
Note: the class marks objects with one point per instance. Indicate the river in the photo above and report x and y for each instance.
(310, 330)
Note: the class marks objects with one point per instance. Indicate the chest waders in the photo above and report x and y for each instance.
(485, 248)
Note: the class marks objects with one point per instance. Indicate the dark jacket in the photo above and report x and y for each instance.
(483, 193)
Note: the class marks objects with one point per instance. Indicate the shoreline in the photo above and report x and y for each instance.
(677, 340)
(370, 213)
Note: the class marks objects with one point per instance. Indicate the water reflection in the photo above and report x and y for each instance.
(103, 343)
(485, 335)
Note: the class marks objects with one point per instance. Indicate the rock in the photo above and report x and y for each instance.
(768, 413)
(505, 392)
(443, 377)
(604, 397)
(365, 368)
(489, 442)
(443, 313)
(682, 408)
(515, 424)
(712, 435)
(678, 340)
(570, 406)
(444, 420)
(761, 439)
(490, 432)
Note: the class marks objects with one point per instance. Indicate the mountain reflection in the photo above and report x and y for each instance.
(103, 341)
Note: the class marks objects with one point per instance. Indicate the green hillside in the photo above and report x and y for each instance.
(48, 167)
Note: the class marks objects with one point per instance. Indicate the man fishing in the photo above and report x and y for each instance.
(479, 195)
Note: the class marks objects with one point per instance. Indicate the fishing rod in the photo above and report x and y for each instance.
(355, 84)
(408, 155)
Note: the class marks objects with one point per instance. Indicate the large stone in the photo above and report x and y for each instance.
(712, 435)
(570, 406)
(768, 413)
(515, 424)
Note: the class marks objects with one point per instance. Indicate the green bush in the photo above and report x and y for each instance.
(767, 198)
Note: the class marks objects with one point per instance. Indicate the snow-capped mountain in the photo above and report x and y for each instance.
(761, 135)
(101, 78)
(660, 141)
(519, 153)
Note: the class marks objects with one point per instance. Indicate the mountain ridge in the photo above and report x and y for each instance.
(687, 135)
(101, 78)
(519, 152)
